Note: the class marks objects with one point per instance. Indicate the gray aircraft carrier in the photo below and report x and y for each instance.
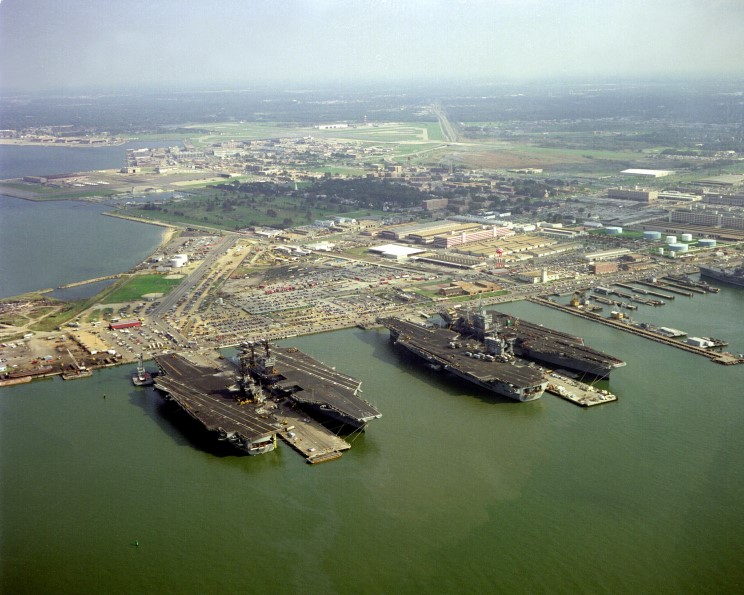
(289, 373)
(486, 364)
(209, 396)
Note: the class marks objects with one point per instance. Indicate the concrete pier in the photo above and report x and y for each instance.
(578, 393)
(311, 439)
(719, 358)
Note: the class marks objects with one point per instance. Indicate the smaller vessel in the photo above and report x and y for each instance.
(142, 377)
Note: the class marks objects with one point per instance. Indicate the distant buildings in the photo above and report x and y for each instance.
(636, 194)
(648, 173)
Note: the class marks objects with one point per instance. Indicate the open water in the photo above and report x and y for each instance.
(451, 491)
(47, 244)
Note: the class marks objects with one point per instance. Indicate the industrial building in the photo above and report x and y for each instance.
(541, 276)
(648, 173)
(636, 194)
(467, 237)
(396, 251)
(127, 323)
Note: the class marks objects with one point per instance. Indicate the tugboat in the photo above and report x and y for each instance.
(142, 377)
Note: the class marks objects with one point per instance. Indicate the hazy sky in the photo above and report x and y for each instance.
(71, 43)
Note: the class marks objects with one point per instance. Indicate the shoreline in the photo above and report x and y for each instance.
(27, 143)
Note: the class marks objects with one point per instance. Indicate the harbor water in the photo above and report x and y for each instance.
(47, 244)
(452, 490)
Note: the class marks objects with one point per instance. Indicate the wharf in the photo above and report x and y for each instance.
(666, 287)
(656, 293)
(604, 300)
(718, 358)
(308, 437)
(671, 283)
(578, 393)
(636, 298)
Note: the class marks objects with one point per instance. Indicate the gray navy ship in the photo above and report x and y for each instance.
(488, 364)
(535, 342)
(733, 275)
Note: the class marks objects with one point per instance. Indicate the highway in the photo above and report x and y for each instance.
(448, 130)
(170, 300)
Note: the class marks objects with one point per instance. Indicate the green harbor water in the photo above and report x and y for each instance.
(451, 491)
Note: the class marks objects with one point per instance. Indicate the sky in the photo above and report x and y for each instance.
(69, 44)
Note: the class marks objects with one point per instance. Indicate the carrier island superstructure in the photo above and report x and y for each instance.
(534, 342)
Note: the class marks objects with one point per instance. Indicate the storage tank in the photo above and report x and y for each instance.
(651, 235)
(687, 237)
(678, 247)
(178, 261)
(613, 231)
(661, 251)
(707, 243)
(671, 239)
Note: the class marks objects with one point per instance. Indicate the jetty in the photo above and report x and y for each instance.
(719, 358)
(576, 392)
(666, 287)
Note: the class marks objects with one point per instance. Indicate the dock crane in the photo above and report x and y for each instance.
(80, 371)
(80, 368)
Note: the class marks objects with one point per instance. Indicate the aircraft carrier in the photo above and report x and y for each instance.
(733, 275)
(250, 405)
(535, 342)
(210, 396)
(486, 364)
(288, 373)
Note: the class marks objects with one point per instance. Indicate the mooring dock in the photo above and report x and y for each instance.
(578, 393)
(308, 437)
(726, 359)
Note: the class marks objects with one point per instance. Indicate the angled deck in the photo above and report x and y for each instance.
(308, 381)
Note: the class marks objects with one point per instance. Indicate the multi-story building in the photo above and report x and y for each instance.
(636, 194)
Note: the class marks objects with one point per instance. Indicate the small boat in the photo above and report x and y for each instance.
(142, 377)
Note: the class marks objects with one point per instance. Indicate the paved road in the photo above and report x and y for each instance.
(448, 130)
(188, 284)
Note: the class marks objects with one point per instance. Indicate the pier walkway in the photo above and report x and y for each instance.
(308, 437)
(578, 393)
(719, 358)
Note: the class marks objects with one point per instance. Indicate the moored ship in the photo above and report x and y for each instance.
(287, 372)
(732, 275)
(537, 343)
(142, 377)
(487, 364)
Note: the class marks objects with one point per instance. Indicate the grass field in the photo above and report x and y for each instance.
(199, 209)
(66, 313)
(137, 286)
